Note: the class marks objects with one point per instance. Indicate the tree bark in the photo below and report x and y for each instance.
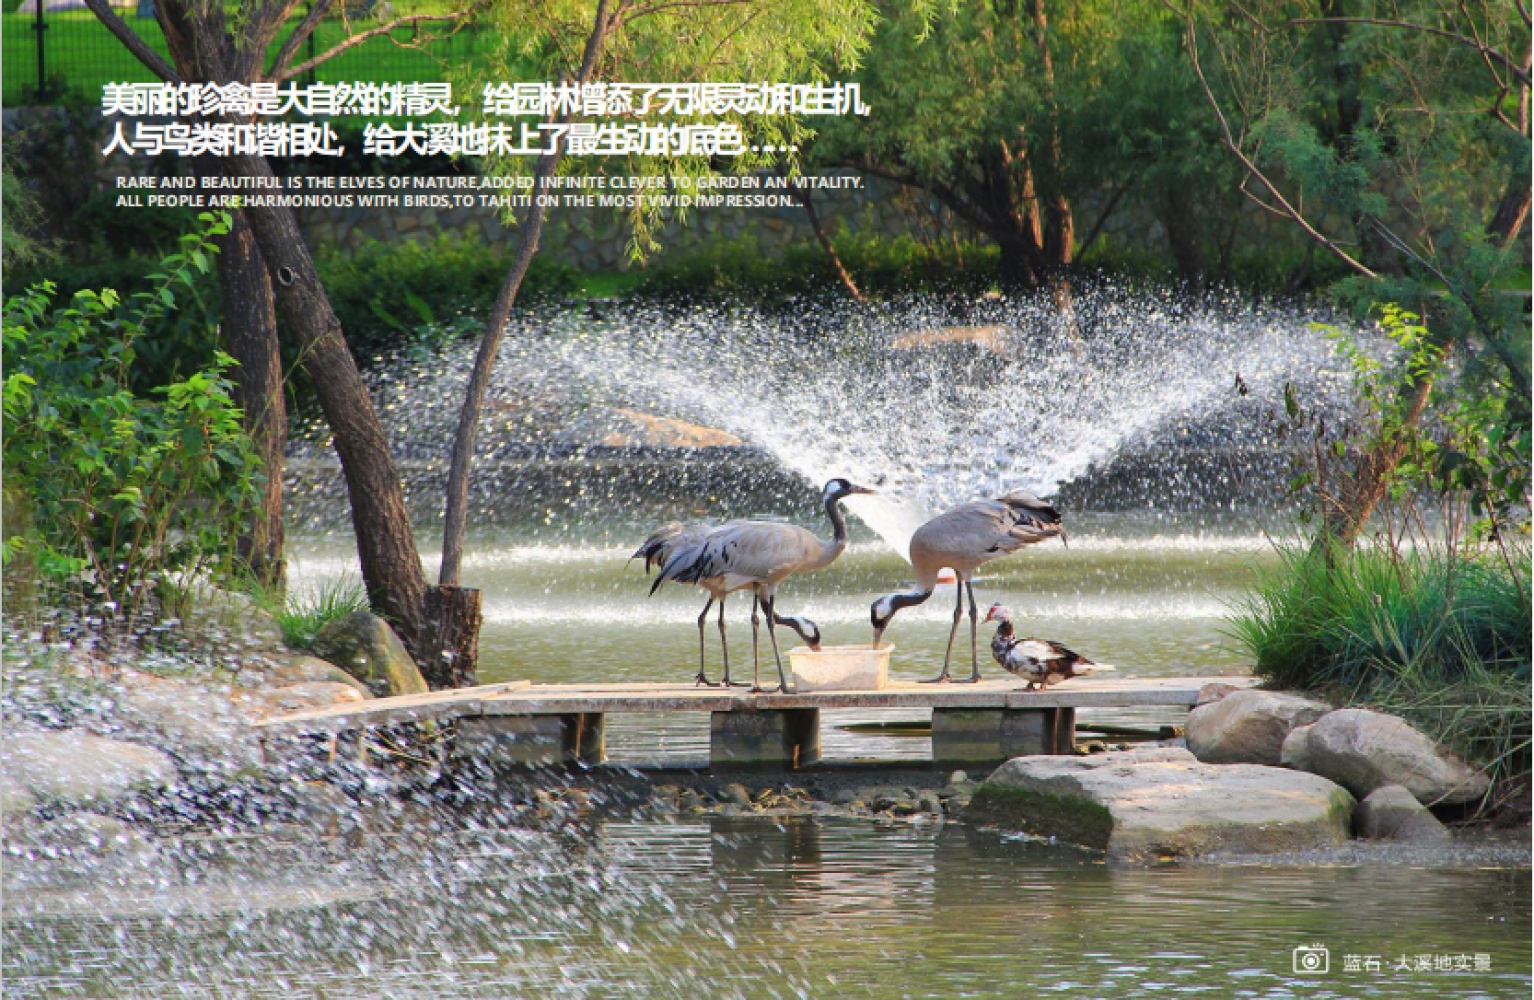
(1182, 239)
(802, 194)
(451, 641)
(250, 333)
(391, 565)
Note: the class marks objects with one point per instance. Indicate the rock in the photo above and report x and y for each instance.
(1249, 726)
(1295, 753)
(236, 620)
(15, 798)
(930, 802)
(200, 728)
(1363, 750)
(90, 836)
(366, 647)
(958, 778)
(297, 698)
(1148, 804)
(74, 768)
(1393, 813)
(738, 794)
(1213, 692)
(301, 668)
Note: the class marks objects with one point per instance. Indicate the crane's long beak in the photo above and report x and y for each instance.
(864, 489)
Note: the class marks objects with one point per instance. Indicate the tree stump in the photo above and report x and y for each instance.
(449, 649)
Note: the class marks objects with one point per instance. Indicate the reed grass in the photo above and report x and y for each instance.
(1439, 634)
(302, 616)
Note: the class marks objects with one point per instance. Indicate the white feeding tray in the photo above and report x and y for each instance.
(840, 668)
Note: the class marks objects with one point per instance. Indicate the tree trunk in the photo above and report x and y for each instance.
(1343, 522)
(391, 566)
(451, 640)
(455, 520)
(803, 196)
(1182, 239)
(1017, 263)
(250, 333)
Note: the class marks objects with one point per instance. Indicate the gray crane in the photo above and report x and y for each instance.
(667, 541)
(963, 540)
(760, 555)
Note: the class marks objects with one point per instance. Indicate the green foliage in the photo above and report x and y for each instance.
(19, 214)
(1437, 635)
(781, 41)
(424, 294)
(739, 269)
(302, 617)
(128, 492)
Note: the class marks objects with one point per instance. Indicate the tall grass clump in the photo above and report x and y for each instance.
(1436, 633)
(301, 616)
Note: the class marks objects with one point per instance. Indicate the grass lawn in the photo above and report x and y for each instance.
(82, 55)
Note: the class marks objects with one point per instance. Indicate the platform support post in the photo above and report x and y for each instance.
(992, 735)
(787, 738)
(532, 740)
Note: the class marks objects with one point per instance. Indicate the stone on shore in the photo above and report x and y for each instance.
(1393, 813)
(73, 768)
(198, 727)
(1363, 751)
(1295, 753)
(1149, 804)
(1248, 727)
(366, 647)
(297, 698)
(301, 668)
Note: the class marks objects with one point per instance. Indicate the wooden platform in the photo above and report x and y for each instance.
(522, 722)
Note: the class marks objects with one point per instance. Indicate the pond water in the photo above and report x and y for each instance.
(751, 908)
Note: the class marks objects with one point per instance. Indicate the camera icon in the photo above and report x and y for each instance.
(1312, 959)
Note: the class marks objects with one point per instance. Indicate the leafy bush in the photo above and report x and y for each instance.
(126, 493)
(389, 295)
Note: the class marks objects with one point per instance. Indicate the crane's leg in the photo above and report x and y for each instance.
(702, 618)
(726, 649)
(958, 613)
(974, 628)
(768, 604)
(756, 655)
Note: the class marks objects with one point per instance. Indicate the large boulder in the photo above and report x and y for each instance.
(1248, 727)
(366, 647)
(1295, 753)
(297, 698)
(1363, 750)
(73, 768)
(1393, 813)
(197, 726)
(304, 669)
(1148, 804)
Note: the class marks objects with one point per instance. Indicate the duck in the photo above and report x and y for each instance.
(1040, 662)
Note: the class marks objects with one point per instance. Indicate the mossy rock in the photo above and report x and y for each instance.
(1152, 804)
(366, 647)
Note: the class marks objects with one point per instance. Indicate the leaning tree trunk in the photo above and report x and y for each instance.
(250, 333)
(455, 630)
(391, 565)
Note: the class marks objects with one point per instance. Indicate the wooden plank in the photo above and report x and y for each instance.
(434, 705)
(526, 698)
